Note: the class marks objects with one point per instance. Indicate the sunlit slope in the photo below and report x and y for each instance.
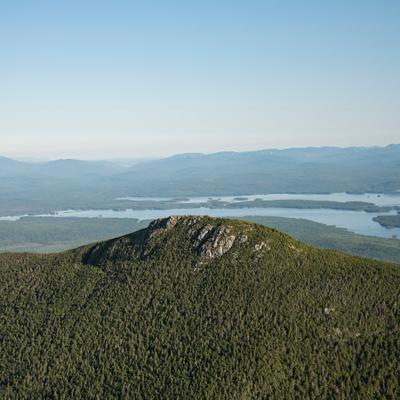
(195, 307)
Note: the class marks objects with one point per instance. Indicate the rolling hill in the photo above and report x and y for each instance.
(197, 307)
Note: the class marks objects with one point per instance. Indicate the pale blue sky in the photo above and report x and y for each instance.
(104, 79)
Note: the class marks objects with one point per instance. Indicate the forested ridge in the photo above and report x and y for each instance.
(195, 307)
(388, 221)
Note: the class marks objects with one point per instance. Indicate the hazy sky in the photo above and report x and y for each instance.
(147, 78)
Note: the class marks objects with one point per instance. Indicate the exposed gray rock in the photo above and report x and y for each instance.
(328, 311)
(204, 233)
(262, 246)
(164, 223)
(242, 238)
(214, 242)
(208, 238)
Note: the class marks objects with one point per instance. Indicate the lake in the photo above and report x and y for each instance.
(376, 198)
(356, 221)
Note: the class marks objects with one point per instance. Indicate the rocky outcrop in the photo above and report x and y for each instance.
(214, 242)
(208, 238)
(261, 246)
(164, 223)
(209, 241)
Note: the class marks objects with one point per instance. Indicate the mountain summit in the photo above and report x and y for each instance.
(196, 238)
(199, 308)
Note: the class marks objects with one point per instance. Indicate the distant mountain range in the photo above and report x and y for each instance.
(302, 170)
(58, 168)
(297, 170)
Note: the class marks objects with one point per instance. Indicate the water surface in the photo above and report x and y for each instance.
(355, 221)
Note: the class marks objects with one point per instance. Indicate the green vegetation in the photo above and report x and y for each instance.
(49, 234)
(152, 316)
(311, 204)
(388, 221)
(331, 237)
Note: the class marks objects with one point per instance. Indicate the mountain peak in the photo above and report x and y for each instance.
(199, 237)
(200, 307)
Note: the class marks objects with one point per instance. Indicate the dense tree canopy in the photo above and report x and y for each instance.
(149, 316)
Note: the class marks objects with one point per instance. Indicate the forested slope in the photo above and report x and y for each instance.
(196, 307)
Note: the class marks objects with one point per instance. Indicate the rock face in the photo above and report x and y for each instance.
(214, 242)
(209, 241)
(164, 223)
(207, 238)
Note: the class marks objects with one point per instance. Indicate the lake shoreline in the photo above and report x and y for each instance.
(357, 213)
